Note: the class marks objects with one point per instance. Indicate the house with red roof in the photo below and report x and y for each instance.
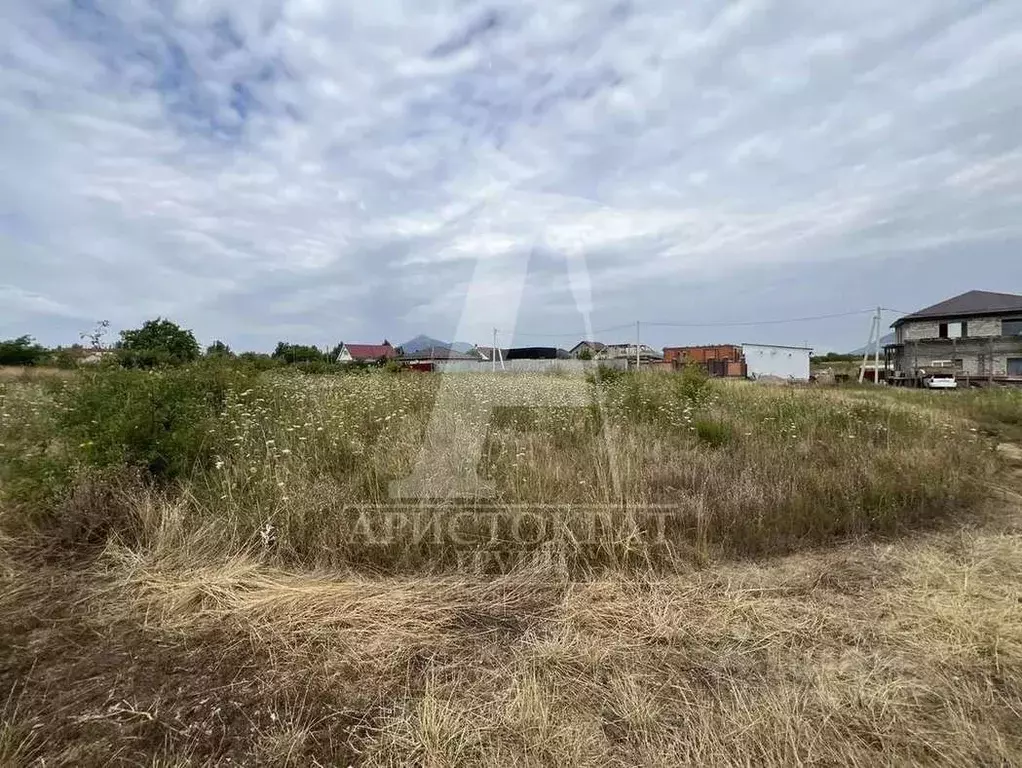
(366, 353)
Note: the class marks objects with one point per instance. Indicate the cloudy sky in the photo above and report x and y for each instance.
(316, 170)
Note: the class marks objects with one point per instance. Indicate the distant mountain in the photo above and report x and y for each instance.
(422, 342)
(888, 339)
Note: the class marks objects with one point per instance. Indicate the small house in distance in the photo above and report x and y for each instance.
(366, 353)
(976, 334)
(628, 352)
(587, 350)
(777, 361)
(486, 354)
(622, 353)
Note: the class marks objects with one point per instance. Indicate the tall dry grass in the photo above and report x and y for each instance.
(738, 575)
(653, 469)
(862, 655)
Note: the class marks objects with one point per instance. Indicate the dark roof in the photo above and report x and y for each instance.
(596, 346)
(536, 353)
(971, 304)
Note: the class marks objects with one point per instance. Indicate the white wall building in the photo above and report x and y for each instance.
(773, 360)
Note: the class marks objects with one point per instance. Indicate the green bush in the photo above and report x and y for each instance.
(157, 343)
(164, 423)
(259, 361)
(606, 375)
(218, 349)
(693, 384)
(145, 359)
(21, 351)
(713, 433)
(65, 359)
(298, 353)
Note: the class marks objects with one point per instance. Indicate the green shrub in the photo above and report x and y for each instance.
(605, 374)
(165, 423)
(298, 353)
(693, 384)
(713, 433)
(65, 359)
(145, 359)
(21, 351)
(218, 349)
(157, 343)
(259, 361)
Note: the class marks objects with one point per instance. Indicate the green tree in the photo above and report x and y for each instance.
(259, 360)
(157, 342)
(67, 357)
(21, 351)
(834, 357)
(297, 353)
(218, 349)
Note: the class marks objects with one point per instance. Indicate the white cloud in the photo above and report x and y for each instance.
(253, 167)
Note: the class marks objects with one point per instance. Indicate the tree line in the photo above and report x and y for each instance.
(158, 343)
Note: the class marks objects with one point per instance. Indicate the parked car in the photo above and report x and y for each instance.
(941, 380)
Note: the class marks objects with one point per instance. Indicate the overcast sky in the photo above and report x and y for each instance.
(317, 170)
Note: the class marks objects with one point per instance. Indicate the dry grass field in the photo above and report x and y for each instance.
(205, 567)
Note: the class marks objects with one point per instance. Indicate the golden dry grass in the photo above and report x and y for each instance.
(902, 653)
(176, 638)
(33, 373)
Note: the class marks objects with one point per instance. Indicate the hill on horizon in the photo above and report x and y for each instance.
(423, 341)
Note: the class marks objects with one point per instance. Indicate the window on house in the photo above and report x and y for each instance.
(1011, 327)
(953, 330)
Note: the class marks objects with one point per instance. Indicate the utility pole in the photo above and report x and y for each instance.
(876, 351)
(638, 342)
(874, 326)
(493, 353)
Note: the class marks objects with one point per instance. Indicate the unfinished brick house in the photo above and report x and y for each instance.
(977, 334)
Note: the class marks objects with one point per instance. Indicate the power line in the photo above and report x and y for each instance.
(762, 322)
(735, 324)
(572, 334)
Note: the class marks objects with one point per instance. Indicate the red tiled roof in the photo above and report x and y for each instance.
(370, 351)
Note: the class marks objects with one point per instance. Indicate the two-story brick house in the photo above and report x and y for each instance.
(977, 334)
